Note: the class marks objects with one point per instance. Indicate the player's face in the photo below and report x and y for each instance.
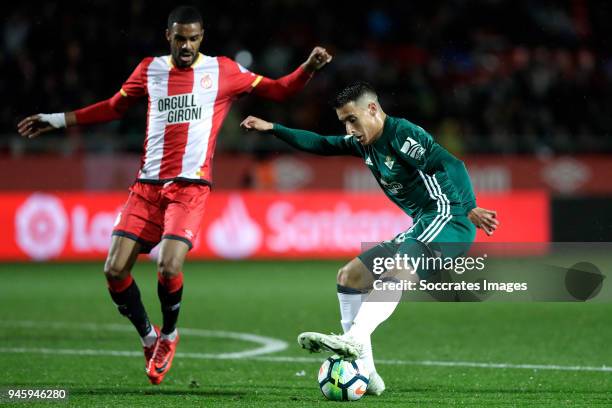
(362, 121)
(185, 40)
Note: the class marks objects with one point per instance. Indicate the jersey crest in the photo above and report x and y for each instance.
(389, 162)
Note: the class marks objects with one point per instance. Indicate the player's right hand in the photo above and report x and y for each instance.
(35, 125)
(254, 123)
(318, 58)
(484, 219)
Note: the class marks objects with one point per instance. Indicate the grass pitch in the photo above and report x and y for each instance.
(59, 329)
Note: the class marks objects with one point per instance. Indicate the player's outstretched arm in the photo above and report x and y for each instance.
(105, 111)
(255, 123)
(283, 88)
(38, 124)
(303, 139)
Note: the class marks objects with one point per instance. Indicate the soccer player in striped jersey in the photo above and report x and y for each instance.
(420, 177)
(189, 94)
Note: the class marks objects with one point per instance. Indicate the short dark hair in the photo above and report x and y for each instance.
(184, 15)
(351, 93)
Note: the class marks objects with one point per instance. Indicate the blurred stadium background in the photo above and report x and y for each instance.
(520, 90)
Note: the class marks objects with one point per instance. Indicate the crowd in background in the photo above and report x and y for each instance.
(482, 76)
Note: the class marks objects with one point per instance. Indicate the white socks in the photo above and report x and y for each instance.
(149, 339)
(369, 315)
(170, 336)
(349, 307)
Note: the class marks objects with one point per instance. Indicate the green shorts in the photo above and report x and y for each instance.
(431, 235)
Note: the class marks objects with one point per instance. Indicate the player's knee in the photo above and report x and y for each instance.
(348, 277)
(169, 266)
(115, 270)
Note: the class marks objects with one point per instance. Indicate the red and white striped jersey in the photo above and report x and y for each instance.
(186, 108)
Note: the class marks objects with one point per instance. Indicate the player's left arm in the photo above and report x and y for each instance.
(288, 85)
(458, 174)
(418, 148)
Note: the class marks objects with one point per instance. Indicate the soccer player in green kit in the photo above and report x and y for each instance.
(420, 177)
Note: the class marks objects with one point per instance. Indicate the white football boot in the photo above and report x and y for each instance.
(343, 345)
(376, 385)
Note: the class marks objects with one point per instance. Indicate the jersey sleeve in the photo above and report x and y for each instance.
(418, 148)
(282, 88)
(415, 146)
(115, 107)
(314, 143)
(234, 79)
(135, 86)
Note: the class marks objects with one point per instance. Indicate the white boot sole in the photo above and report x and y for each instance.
(317, 342)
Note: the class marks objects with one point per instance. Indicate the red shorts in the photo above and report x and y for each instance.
(156, 211)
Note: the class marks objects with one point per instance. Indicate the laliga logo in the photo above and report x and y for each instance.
(42, 225)
(234, 235)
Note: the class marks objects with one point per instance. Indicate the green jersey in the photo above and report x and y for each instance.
(414, 171)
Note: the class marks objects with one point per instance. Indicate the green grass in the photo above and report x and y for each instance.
(279, 300)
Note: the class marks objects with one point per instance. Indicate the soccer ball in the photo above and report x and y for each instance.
(343, 380)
